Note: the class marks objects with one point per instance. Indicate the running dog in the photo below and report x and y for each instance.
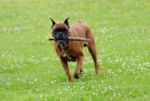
(71, 50)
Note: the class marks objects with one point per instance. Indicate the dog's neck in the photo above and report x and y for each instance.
(61, 51)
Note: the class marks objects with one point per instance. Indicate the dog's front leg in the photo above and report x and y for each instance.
(78, 66)
(66, 68)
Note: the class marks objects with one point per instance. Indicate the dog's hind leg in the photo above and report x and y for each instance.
(66, 68)
(92, 50)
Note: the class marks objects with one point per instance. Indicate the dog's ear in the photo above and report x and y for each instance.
(66, 22)
(53, 22)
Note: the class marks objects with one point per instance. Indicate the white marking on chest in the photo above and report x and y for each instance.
(65, 53)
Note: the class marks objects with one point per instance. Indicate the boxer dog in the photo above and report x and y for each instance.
(71, 50)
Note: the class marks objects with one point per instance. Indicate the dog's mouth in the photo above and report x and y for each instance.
(62, 39)
(61, 36)
(62, 44)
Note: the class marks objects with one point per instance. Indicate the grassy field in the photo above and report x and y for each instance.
(30, 69)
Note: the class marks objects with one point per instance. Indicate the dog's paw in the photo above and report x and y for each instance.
(76, 76)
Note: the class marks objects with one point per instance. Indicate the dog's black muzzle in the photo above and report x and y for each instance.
(62, 39)
(61, 36)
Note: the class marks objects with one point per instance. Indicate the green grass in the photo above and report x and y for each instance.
(31, 71)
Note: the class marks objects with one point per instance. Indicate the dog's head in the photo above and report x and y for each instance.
(60, 32)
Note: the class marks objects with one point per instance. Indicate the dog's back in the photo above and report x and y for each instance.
(80, 29)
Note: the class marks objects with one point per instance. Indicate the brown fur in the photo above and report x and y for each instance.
(74, 51)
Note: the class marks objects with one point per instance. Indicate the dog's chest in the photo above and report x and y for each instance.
(67, 55)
